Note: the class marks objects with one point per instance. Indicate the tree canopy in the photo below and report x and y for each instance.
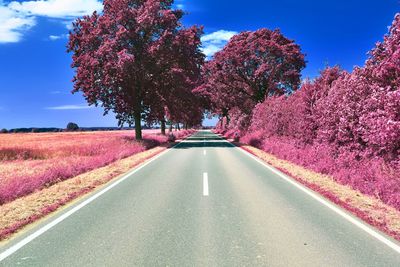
(135, 59)
(251, 67)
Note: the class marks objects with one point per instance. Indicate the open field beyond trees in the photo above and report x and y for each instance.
(30, 162)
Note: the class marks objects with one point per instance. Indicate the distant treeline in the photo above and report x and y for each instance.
(49, 130)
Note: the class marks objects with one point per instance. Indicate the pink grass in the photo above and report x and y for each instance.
(30, 162)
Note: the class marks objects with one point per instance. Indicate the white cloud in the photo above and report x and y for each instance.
(180, 4)
(57, 8)
(68, 24)
(60, 92)
(218, 36)
(214, 42)
(70, 107)
(18, 17)
(57, 37)
(209, 49)
(13, 24)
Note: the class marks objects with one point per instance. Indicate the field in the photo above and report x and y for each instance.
(30, 162)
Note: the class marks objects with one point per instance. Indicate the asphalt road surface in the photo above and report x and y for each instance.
(202, 203)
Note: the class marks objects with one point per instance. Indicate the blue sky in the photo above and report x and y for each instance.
(35, 73)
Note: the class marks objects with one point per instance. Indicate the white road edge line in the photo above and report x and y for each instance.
(329, 205)
(8, 252)
(205, 184)
(366, 228)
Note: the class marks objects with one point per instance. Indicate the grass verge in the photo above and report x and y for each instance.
(19, 213)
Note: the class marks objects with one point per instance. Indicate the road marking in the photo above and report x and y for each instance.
(205, 184)
(205, 152)
(326, 203)
(8, 252)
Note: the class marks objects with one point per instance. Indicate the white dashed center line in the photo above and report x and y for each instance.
(205, 184)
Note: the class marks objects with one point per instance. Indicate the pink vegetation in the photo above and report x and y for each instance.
(29, 162)
(343, 124)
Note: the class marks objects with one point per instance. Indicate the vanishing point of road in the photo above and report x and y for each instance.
(202, 203)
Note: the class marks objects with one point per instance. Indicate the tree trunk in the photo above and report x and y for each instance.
(170, 128)
(163, 127)
(228, 120)
(137, 109)
(138, 125)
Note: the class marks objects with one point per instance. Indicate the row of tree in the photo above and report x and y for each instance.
(137, 60)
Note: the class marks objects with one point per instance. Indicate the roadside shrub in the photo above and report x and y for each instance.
(254, 138)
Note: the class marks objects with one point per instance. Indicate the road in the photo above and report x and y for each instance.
(202, 203)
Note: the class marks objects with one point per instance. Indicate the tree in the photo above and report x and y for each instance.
(307, 102)
(177, 102)
(383, 64)
(71, 127)
(125, 56)
(251, 67)
(3, 131)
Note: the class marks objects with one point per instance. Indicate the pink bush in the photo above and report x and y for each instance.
(370, 176)
(254, 138)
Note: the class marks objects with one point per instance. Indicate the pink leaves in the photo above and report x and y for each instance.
(252, 66)
(125, 60)
(343, 124)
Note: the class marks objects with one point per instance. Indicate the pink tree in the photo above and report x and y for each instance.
(362, 111)
(124, 56)
(384, 62)
(183, 60)
(185, 64)
(343, 124)
(306, 100)
(251, 67)
(381, 114)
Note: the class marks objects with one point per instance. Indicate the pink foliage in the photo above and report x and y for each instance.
(254, 138)
(251, 67)
(343, 124)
